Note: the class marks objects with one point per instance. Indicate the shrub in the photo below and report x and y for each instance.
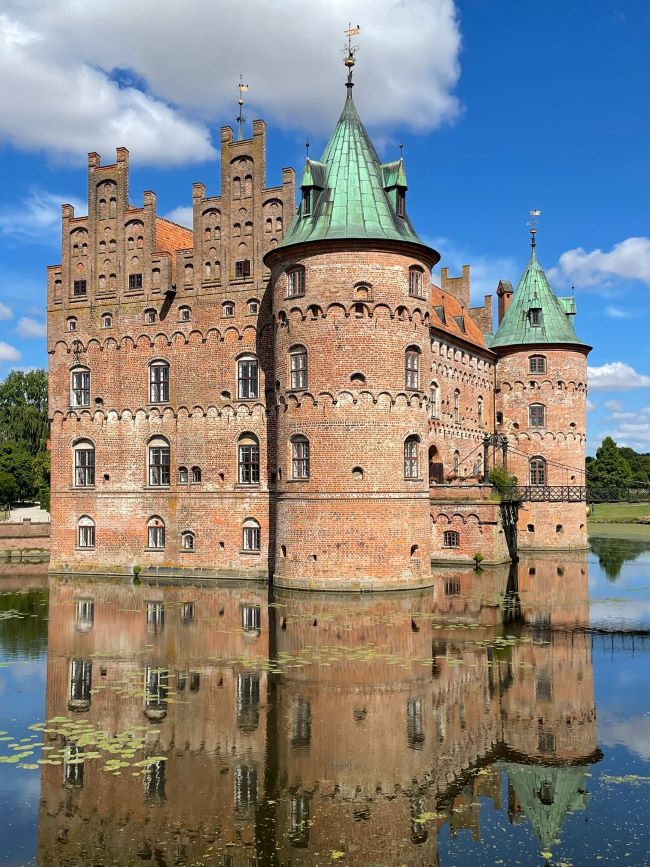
(502, 480)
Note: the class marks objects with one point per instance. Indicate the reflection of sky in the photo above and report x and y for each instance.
(624, 602)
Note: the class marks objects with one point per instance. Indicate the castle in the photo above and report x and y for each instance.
(284, 394)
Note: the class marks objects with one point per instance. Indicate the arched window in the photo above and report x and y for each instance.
(251, 535)
(85, 532)
(196, 474)
(298, 367)
(295, 282)
(537, 471)
(80, 387)
(150, 316)
(158, 382)
(248, 186)
(415, 282)
(450, 539)
(107, 320)
(536, 415)
(188, 541)
(236, 187)
(411, 457)
(184, 314)
(158, 460)
(71, 323)
(457, 406)
(253, 306)
(84, 464)
(434, 400)
(456, 462)
(479, 409)
(248, 460)
(412, 367)
(156, 533)
(247, 378)
(183, 476)
(299, 457)
(189, 274)
(228, 309)
(537, 364)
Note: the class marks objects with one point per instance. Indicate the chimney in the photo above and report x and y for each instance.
(504, 296)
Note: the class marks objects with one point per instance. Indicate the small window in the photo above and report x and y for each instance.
(296, 282)
(251, 536)
(479, 410)
(253, 307)
(80, 388)
(243, 268)
(79, 288)
(84, 465)
(299, 458)
(156, 534)
(248, 459)
(411, 458)
(247, 374)
(535, 317)
(188, 543)
(415, 282)
(158, 463)
(536, 415)
(537, 364)
(135, 281)
(412, 367)
(434, 400)
(85, 532)
(456, 462)
(537, 471)
(251, 615)
(401, 203)
(71, 323)
(306, 202)
(183, 476)
(196, 474)
(228, 309)
(499, 418)
(451, 539)
(457, 406)
(298, 367)
(159, 382)
(150, 316)
(184, 314)
(107, 320)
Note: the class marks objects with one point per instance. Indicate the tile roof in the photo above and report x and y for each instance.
(171, 237)
(452, 318)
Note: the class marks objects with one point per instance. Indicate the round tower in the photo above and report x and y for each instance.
(349, 291)
(541, 407)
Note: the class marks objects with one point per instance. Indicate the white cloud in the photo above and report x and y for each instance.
(485, 273)
(616, 375)
(182, 214)
(8, 352)
(30, 329)
(88, 76)
(591, 406)
(629, 259)
(634, 434)
(634, 733)
(616, 312)
(5, 312)
(614, 405)
(37, 217)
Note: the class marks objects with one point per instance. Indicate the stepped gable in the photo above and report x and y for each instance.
(170, 237)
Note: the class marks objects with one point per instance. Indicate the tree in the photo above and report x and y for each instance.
(8, 489)
(23, 410)
(42, 479)
(609, 469)
(20, 466)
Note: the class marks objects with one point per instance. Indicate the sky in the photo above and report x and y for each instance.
(502, 107)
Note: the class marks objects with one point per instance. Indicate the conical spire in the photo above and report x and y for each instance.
(536, 314)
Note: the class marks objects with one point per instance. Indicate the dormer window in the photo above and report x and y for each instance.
(401, 202)
(535, 317)
(306, 202)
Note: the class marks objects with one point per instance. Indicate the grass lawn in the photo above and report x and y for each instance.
(619, 513)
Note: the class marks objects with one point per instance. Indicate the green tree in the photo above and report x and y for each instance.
(609, 469)
(8, 489)
(20, 465)
(42, 479)
(23, 410)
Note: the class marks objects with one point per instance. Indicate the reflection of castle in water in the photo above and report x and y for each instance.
(383, 718)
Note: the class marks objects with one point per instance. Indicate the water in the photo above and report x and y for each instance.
(501, 718)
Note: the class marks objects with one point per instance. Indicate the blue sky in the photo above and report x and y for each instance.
(502, 107)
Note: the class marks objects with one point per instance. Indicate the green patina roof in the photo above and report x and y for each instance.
(534, 292)
(350, 197)
(533, 783)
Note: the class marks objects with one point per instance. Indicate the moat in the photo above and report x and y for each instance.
(499, 717)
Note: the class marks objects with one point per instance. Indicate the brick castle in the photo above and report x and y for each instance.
(284, 393)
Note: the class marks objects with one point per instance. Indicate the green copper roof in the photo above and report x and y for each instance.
(547, 795)
(351, 195)
(554, 317)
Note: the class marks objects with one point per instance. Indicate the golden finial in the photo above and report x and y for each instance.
(351, 50)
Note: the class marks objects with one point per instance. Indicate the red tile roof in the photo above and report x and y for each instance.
(171, 237)
(453, 308)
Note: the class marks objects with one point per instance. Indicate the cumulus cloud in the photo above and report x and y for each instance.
(5, 312)
(616, 312)
(629, 259)
(182, 214)
(8, 352)
(486, 271)
(614, 405)
(30, 329)
(634, 733)
(89, 76)
(616, 375)
(633, 434)
(36, 217)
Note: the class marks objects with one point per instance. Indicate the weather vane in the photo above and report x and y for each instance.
(532, 223)
(240, 117)
(350, 51)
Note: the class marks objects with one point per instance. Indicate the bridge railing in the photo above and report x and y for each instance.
(547, 493)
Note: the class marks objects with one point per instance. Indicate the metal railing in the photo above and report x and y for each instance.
(546, 493)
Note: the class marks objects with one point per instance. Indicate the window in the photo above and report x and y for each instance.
(537, 364)
(84, 465)
(536, 415)
(415, 282)
(188, 541)
(434, 397)
(158, 462)
(80, 387)
(228, 309)
(183, 476)
(107, 320)
(81, 674)
(150, 316)
(296, 282)
(298, 367)
(71, 323)
(411, 463)
(251, 536)
(135, 281)
(184, 314)
(306, 202)
(401, 203)
(479, 410)
(248, 460)
(159, 382)
(537, 471)
(535, 316)
(84, 614)
(457, 407)
(155, 534)
(251, 618)
(155, 615)
(85, 532)
(245, 787)
(412, 367)
(299, 458)
(243, 268)
(451, 539)
(248, 701)
(247, 378)
(456, 462)
(79, 288)
(188, 609)
(545, 742)
(253, 306)
(301, 723)
(196, 474)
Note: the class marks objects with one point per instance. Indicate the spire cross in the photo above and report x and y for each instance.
(240, 117)
(349, 60)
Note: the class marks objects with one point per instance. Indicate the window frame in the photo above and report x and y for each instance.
(416, 282)
(150, 316)
(71, 323)
(184, 313)
(243, 269)
(300, 458)
(412, 457)
(248, 460)
(248, 387)
(412, 368)
(451, 539)
(86, 533)
(298, 368)
(537, 471)
(227, 306)
(80, 395)
(79, 288)
(188, 535)
(156, 530)
(533, 409)
(107, 320)
(533, 362)
(535, 317)
(296, 282)
(251, 537)
(84, 471)
(158, 463)
(159, 381)
(135, 281)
